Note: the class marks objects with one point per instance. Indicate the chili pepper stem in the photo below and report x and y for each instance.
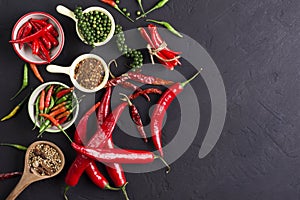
(108, 187)
(192, 78)
(167, 25)
(123, 188)
(120, 11)
(141, 6)
(164, 162)
(65, 192)
(126, 99)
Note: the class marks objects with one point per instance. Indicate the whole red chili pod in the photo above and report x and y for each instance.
(139, 77)
(160, 110)
(48, 97)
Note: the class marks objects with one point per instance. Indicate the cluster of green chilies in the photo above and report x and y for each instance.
(54, 106)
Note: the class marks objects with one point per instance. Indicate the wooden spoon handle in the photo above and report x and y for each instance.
(23, 183)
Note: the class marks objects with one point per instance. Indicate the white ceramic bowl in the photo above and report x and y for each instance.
(71, 71)
(31, 107)
(26, 53)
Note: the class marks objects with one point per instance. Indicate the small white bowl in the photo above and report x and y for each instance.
(71, 72)
(67, 12)
(31, 107)
(26, 53)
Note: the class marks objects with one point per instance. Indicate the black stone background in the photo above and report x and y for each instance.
(255, 45)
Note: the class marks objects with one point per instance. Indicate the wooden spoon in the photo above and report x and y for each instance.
(29, 176)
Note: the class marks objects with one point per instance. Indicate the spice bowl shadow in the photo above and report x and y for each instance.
(73, 71)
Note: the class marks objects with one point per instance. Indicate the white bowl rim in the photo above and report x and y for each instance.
(31, 105)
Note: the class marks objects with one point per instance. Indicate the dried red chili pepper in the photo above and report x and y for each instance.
(9, 175)
(146, 91)
(135, 89)
(160, 110)
(116, 81)
(136, 118)
(135, 76)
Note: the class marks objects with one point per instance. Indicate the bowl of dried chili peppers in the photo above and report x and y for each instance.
(53, 107)
(37, 37)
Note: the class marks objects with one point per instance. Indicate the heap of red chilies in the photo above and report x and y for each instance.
(40, 35)
(157, 47)
(101, 148)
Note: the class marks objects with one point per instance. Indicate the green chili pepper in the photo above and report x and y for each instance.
(25, 81)
(64, 98)
(15, 110)
(141, 5)
(59, 88)
(44, 126)
(17, 146)
(37, 111)
(157, 6)
(167, 25)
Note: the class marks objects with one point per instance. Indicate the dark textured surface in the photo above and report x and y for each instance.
(255, 44)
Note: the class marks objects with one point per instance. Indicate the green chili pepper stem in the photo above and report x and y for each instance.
(192, 78)
(157, 6)
(165, 163)
(167, 25)
(123, 188)
(25, 81)
(65, 192)
(62, 130)
(17, 146)
(120, 11)
(141, 5)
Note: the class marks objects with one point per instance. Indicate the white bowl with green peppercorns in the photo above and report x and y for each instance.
(95, 26)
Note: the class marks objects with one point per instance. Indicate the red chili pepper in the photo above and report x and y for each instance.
(42, 101)
(61, 110)
(136, 118)
(60, 105)
(36, 71)
(146, 37)
(64, 92)
(35, 47)
(135, 76)
(80, 131)
(168, 54)
(146, 91)
(44, 51)
(122, 156)
(153, 28)
(55, 123)
(48, 97)
(39, 21)
(62, 120)
(160, 110)
(9, 175)
(33, 36)
(52, 39)
(135, 89)
(115, 170)
(24, 29)
(97, 141)
(116, 81)
(46, 42)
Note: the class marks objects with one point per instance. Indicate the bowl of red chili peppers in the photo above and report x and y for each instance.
(37, 37)
(53, 107)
